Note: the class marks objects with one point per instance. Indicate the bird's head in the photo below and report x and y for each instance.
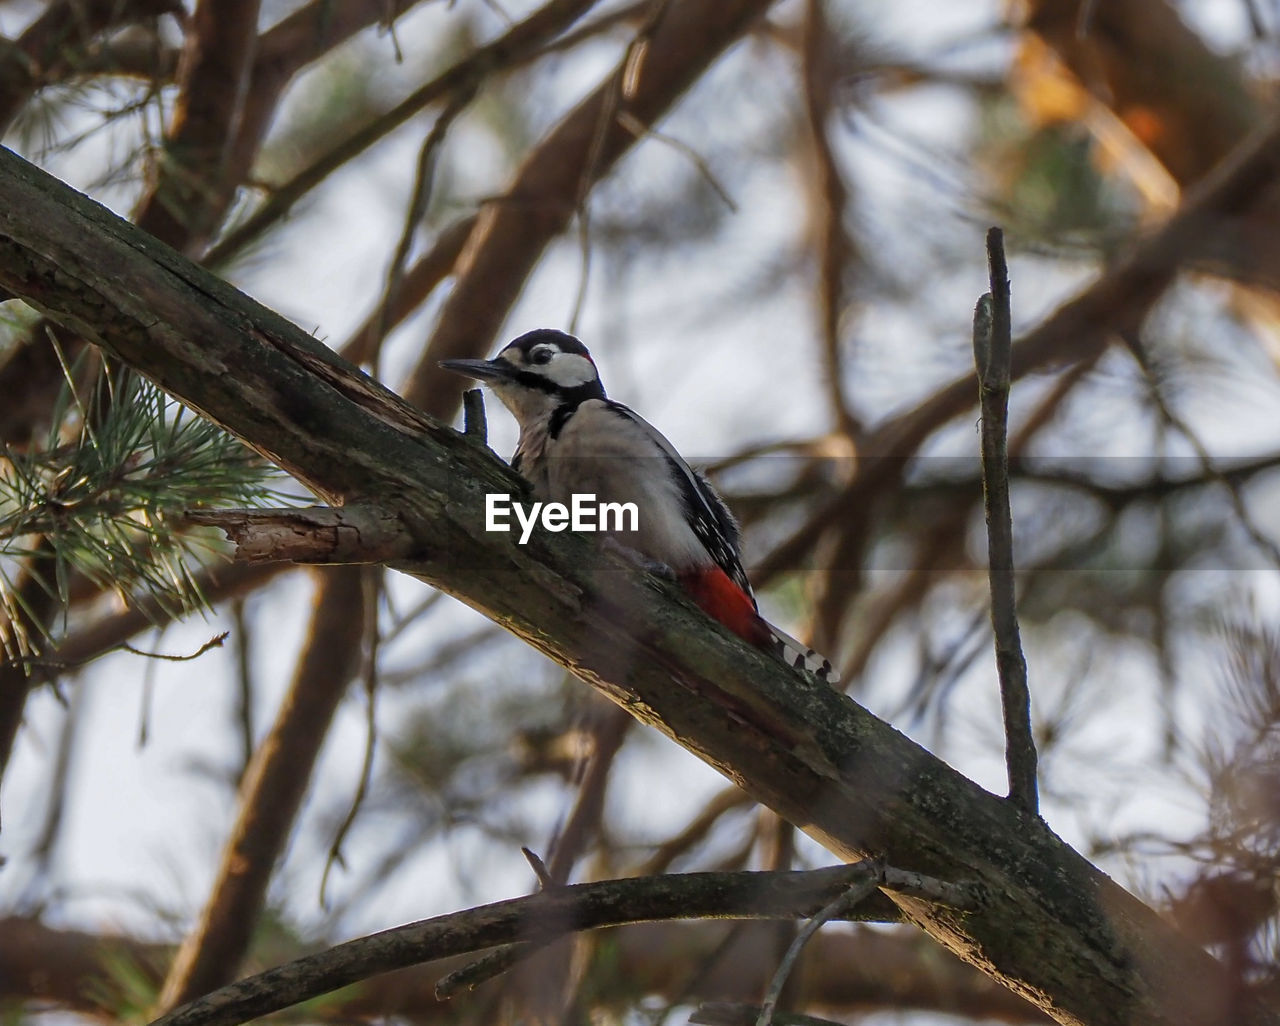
(536, 373)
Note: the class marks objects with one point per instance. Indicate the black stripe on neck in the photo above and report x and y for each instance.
(570, 400)
(574, 395)
(560, 417)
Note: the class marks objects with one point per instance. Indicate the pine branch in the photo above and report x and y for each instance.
(109, 503)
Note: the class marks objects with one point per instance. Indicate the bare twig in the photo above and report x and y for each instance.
(875, 874)
(214, 642)
(643, 131)
(943, 537)
(278, 54)
(597, 26)
(539, 868)
(308, 34)
(244, 683)
(495, 963)
(502, 959)
(105, 635)
(61, 665)
(510, 237)
(942, 540)
(776, 844)
(41, 858)
(416, 284)
(1080, 329)
(516, 47)
(620, 90)
(536, 919)
(828, 197)
(371, 587)
(546, 990)
(189, 192)
(607, 735)
(992, 351)
(474, 424)
(732, 797)
(428, 158)
(1232, 484)
(59, 43)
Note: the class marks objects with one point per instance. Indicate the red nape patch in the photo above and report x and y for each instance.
(723, 600)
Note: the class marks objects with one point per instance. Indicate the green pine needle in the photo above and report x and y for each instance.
(103, 498)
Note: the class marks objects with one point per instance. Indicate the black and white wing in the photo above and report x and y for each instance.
(709, 517)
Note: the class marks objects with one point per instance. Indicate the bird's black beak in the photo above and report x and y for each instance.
(482, 370)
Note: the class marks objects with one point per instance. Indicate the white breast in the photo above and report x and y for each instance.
(601, 453)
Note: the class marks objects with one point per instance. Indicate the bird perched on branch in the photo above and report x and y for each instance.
(575, 440)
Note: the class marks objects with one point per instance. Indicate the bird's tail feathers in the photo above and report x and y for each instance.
(713, 590)
(800, 656)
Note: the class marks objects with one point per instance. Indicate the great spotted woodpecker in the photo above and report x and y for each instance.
(574, 439)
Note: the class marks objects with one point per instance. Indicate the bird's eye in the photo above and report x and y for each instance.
(542, 355)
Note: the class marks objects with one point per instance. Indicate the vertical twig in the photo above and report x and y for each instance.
(992, 349)
(607, 734)
(473, 418)
(371, 586)
(486, 967)
(244, 681)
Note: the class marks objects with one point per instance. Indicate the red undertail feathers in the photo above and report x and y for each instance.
(723, 600)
